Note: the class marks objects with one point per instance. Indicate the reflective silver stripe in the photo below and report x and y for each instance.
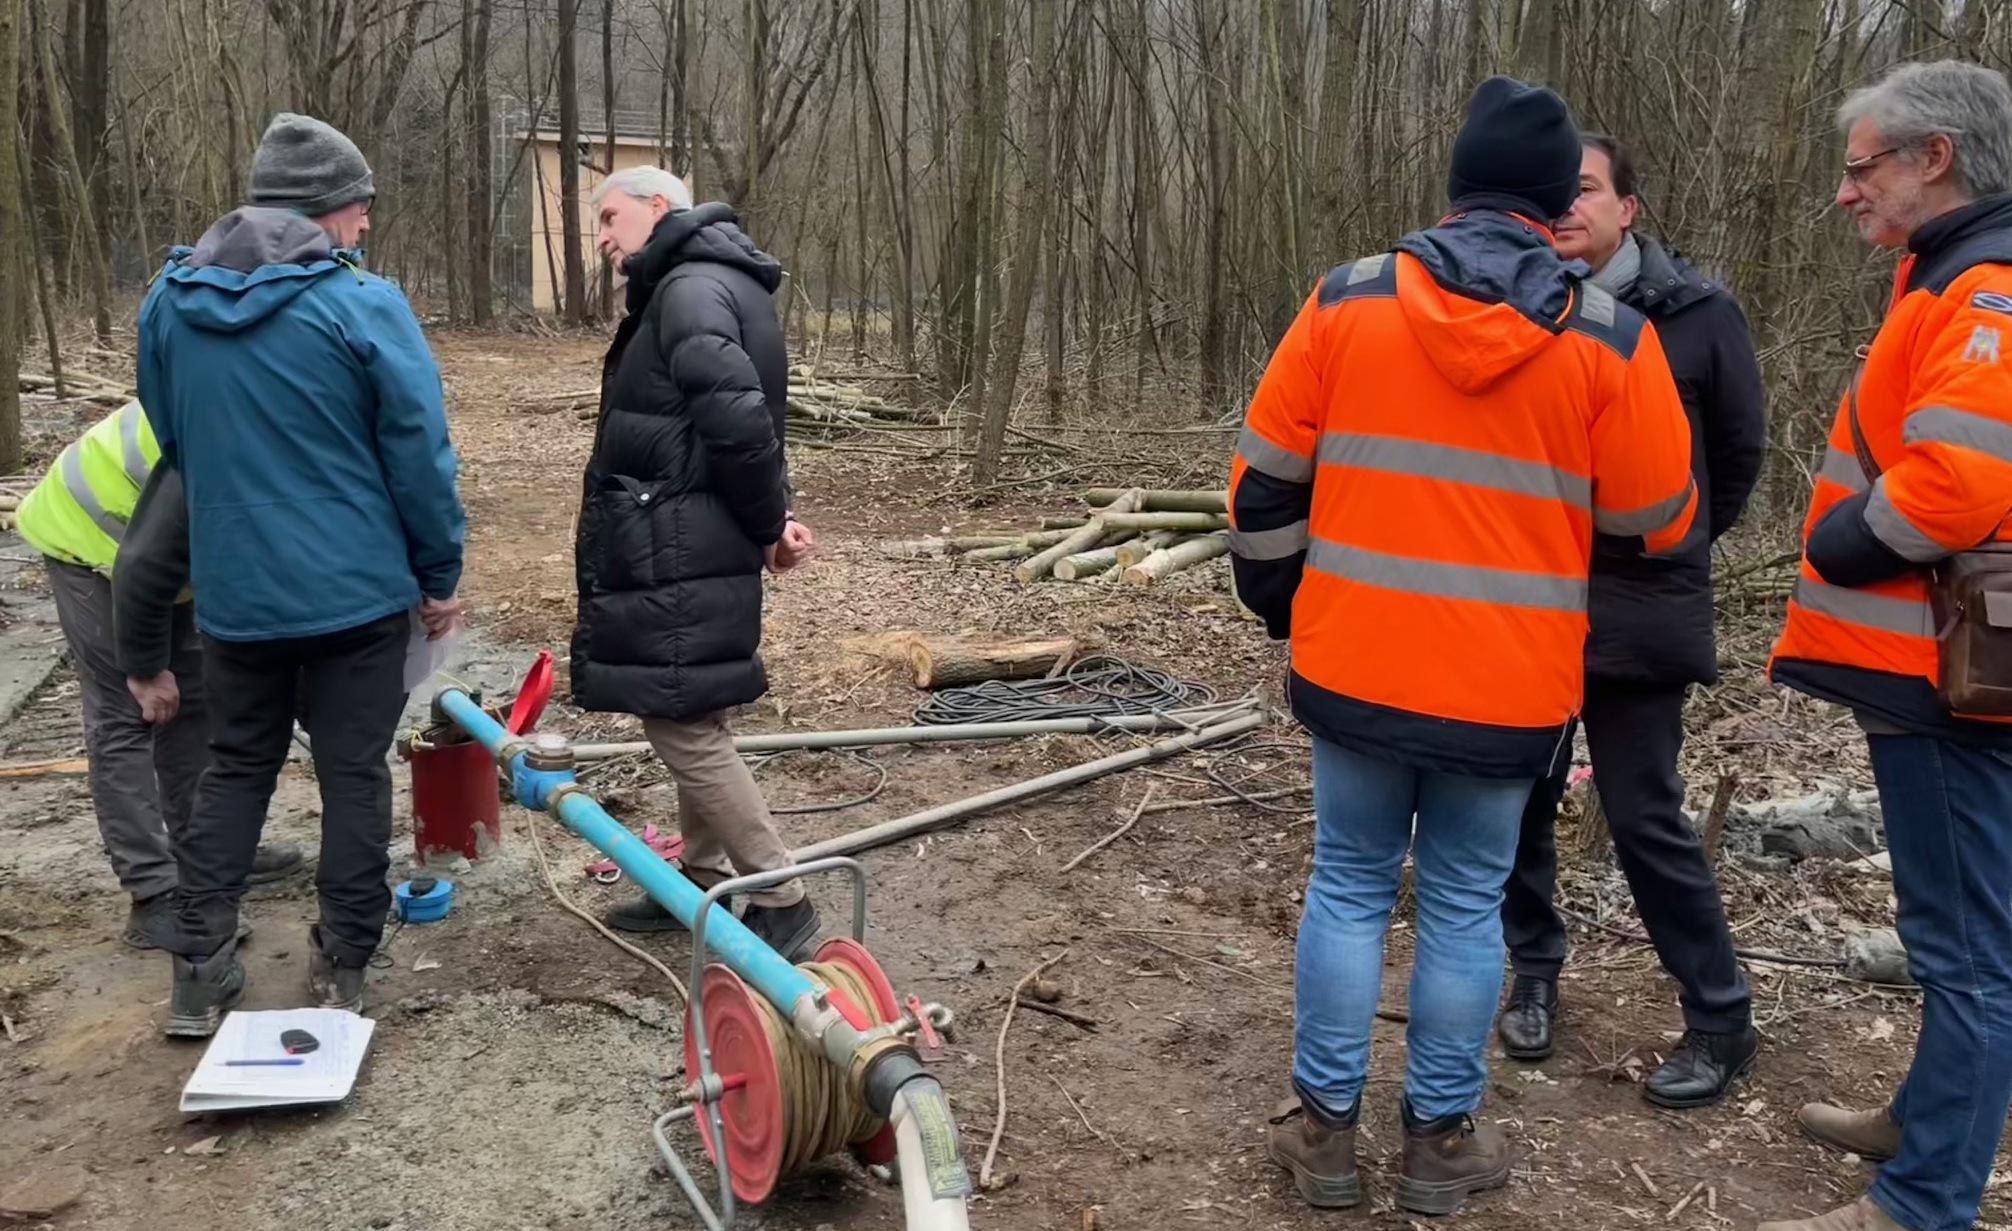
(1894, 530)
(1842, 469)
(1267, 458)
(1648, 520)
(1396, 455)
(1950, 426)
(1366, 268)
(1909, 617)
(1469, 581)
(72, 464)
(1269, 544)
(129, 444)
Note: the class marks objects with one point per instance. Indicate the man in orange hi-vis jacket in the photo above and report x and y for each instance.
(1927, 168)
(1413, 503)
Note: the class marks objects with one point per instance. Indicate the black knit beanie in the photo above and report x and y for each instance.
(1518, 146)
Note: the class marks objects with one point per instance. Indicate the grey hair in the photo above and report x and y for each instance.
(643, 183)
(1967, 103)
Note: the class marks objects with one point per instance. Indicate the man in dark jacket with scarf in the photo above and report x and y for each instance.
(686, 501)
(1650, 639)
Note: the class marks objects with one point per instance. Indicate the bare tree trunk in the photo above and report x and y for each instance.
(569, 162)
(1145, 182)
(481, 153)
(449, 233)
(1215, 206)
(80, 189)
(37, 271)
(606, 298)
(991, 137)
(755, 85)
(92, 89)
(1030, 230)
(681, 104)
(12, 224)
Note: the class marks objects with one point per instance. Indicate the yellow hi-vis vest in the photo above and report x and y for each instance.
(78, 512)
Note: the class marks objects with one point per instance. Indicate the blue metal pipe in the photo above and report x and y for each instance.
(746, 954)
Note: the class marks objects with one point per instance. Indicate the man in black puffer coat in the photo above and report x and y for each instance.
(686, 501)
(1650, 639)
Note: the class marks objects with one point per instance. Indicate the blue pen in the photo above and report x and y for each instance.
(239, 1064)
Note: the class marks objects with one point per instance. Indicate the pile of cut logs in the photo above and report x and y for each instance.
(813, 400)
(83, 386)
(1132, 534)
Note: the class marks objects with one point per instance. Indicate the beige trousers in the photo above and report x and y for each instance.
(721, 813)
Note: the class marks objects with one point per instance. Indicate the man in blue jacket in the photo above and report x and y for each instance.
(296, 397)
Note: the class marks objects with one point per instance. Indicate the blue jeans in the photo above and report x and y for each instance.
(1948, 813)
(1466, 843)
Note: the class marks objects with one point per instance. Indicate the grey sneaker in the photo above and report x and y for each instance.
(331, 984)
(204, 991)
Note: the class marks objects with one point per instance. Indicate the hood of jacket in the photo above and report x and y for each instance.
(1668, 283)
(249, 265)
(708, 232)
(1494, 294)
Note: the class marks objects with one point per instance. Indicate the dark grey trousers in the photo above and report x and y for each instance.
(143, 778)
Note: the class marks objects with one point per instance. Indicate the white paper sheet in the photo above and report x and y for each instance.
(326, 1075)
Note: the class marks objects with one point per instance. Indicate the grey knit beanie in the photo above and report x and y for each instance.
(309, 167)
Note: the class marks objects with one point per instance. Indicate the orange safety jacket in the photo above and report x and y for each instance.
(1935, 406)
(1417, 485)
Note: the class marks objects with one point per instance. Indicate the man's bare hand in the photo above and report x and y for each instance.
(441, 616)
(159, 696)
(796, 547)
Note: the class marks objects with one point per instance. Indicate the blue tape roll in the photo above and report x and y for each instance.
(427, 907)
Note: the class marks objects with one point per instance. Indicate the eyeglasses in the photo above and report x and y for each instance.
(1857, 169)
(369, 203)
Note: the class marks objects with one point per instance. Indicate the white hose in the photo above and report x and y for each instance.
(925, 1211)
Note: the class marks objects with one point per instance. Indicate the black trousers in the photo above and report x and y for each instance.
(1634, 732)
(353, 682)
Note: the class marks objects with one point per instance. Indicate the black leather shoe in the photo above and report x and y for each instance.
(1525, 1024)
(1704, 1067)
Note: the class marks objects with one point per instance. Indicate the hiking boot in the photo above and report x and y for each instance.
(1526, 1021)
(1860, 1215)
(1873, 1135)
(1320, 1154)
(1705, 1066)
(1448, 1159)
(789, 930)
(150, 924)
(331, 983)
(204, 991)
(275, 862)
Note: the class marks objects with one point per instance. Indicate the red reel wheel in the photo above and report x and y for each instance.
(849, 953)
(738, 1035)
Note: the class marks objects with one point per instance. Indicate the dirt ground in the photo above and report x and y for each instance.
(519, 1058)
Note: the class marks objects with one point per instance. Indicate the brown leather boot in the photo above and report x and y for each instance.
(1860, 1215)
(1446, 1160)
(1321, 1157)
(1873, 1135)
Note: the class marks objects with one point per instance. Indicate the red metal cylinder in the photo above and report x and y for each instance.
(454, 799)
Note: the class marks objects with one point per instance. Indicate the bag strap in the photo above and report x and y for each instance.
(1858, 444)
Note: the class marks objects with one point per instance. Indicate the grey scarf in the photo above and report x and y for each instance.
(1617, 276)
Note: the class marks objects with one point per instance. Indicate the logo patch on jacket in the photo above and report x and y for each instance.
(1992, 301)
(1983, 346)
